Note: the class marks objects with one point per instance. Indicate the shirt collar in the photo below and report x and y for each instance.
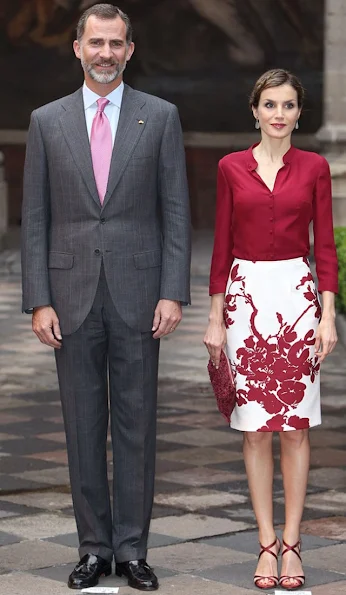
(115, 97)
(252, 163)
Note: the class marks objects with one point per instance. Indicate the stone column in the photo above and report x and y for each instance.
(332, 134)
(3, 202)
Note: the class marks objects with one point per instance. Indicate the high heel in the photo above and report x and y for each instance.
(300, 579)
(272, 581)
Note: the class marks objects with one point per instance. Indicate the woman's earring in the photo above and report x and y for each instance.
(297, 125)
(257, 124)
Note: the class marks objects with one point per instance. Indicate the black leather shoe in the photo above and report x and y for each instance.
(140, 575)
(88, 571)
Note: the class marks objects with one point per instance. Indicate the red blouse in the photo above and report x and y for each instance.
(253, 223)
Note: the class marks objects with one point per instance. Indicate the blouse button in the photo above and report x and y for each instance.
(271, 219)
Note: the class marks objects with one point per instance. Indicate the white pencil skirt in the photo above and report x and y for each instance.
(271, 313)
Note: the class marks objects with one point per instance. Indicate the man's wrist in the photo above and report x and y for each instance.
(36, 308)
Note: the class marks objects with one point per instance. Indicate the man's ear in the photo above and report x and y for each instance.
(76, 48)
(130, 50)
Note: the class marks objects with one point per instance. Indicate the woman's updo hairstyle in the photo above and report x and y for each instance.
(275, 78)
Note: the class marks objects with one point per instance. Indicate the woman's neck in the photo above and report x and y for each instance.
(272, 150)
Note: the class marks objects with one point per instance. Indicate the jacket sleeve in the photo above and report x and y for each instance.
(223, 240)
(324, 245)
(175, 213)
(35, 221)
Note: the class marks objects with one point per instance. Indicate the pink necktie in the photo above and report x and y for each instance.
(101, 147)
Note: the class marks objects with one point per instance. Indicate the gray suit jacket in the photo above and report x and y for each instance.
(142, 231)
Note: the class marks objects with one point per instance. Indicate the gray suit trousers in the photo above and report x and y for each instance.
(106, 366)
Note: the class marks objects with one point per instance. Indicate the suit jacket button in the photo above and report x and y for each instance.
(97, 251)
(103, 220)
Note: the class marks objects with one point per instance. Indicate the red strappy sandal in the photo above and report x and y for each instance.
(273, 581)
(298, 579)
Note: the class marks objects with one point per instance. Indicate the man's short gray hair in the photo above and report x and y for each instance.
(104, 11)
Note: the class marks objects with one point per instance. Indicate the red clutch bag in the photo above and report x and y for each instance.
(222, 381)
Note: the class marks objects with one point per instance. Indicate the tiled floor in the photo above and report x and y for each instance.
(203, 537)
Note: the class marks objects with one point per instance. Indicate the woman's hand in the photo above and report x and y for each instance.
(326, 338)
(215, 340)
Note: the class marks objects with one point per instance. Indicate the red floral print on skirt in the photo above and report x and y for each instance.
(271, 314)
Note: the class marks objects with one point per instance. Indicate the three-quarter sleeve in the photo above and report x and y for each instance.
(324, 245)
(223, 241)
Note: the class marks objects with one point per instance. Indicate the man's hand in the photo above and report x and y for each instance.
(45, 325)
(167, 316)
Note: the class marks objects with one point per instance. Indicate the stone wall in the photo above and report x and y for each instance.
(203, 55)
(3, 201)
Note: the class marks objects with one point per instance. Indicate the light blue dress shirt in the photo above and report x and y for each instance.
(112, 109)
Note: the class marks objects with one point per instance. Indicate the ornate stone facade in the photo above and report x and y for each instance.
(3, 202)
(203, 55)
(332, 134)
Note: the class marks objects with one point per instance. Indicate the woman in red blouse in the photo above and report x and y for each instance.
(265, 308)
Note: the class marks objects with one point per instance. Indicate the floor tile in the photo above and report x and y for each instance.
(157, 540)
(247, 541)
(330, 500)
(17, 509)
(242, 575)
(320, 437)
(61, 573)
(9, 483)
(4, 514)
(331, 528)
(193, 585)
(325, 457)
(68, 539)
(51, 476)
(34, 554)
(199, 463)
(193, 526)
(203, 420)
(201, 476)
(163, 465)
(200, 437)
(58, 457)
(240, 513)
(333, 421)
(4, 437)
(28, 446)
(338, 588)
(33, 427)
(46, 500)
(24, 465)
(327, 477)
(330, 558)
(8, 539)
(38, 526)
(199, 499)
(201, 456)
(20, 583)
(192, 557)
(55, 437)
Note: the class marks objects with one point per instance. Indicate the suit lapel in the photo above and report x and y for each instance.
(74, 128)
(132, 120)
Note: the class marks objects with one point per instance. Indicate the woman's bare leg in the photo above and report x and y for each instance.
(258, 456)
(295, 461)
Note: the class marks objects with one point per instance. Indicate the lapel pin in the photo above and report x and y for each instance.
(140, 122)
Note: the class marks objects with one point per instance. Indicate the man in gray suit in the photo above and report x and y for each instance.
(105, 261)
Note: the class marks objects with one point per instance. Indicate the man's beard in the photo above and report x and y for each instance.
(103, 77)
